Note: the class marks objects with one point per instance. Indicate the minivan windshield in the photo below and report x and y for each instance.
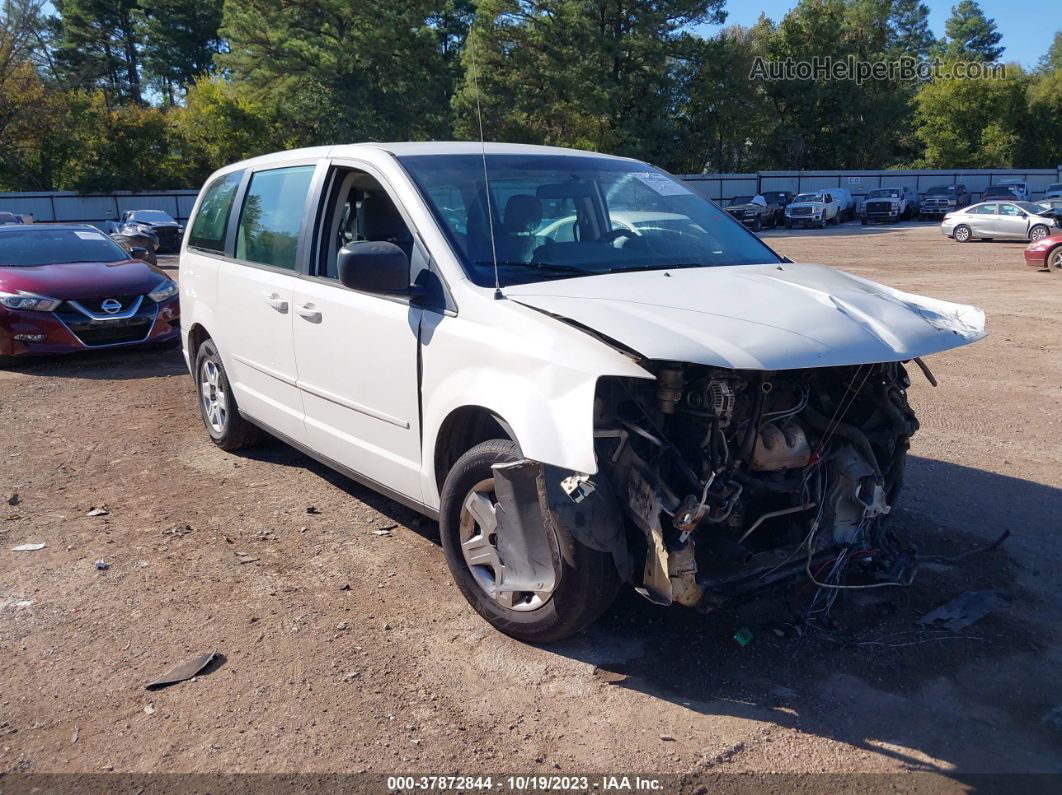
(44, 246)
(557, 216)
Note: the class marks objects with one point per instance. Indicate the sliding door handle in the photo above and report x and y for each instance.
(309, 312)
(277, 303)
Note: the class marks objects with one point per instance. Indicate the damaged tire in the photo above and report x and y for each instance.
(586, 579)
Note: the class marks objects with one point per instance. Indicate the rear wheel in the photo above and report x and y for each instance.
(7, 361)
(962, 233)
(586, 580)
(221, 416)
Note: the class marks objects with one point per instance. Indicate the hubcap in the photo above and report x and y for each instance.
(1038, 234)
(1056, 260)
(212, 393)
(479, 544)
(962, 234)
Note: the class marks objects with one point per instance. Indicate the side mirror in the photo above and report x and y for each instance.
(373, 267)
(136, 252)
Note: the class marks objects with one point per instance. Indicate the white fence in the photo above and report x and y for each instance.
(723, 187)
(68, 207)
(64, 206)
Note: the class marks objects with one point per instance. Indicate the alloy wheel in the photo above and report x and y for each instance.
(479, 546)
(212, 393)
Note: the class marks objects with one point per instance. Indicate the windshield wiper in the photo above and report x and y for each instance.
(544, 266)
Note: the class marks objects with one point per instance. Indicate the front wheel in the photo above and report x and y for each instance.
(788, 224)
(962, 233)
(221, 416)
(1054, 261)
(1038, 233)
(586, 581)
(757, 225)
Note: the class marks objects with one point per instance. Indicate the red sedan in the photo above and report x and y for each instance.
(1045, 253)
(67, 288)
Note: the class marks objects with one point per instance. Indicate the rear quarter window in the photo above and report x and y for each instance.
(212, 219)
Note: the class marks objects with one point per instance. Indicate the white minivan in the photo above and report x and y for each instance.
(585, 370)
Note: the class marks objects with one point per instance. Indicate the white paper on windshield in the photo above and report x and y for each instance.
(90, 235)
(662, 185)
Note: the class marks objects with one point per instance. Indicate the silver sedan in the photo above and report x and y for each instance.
(1015, 220)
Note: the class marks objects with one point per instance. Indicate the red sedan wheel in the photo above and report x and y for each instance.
(1054, 259)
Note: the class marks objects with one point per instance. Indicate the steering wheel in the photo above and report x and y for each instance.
(613, 235)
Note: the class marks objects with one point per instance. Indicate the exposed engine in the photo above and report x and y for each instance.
(740, 480)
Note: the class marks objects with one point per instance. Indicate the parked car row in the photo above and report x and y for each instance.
(881, 205)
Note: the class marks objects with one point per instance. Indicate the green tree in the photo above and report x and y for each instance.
(97, 45)
(970, 35)
(909, 32)
(219, 124)
(180, 40)
(967, 123)
(342, 71)
(1053, 57)
(725, 119)
(584, 73)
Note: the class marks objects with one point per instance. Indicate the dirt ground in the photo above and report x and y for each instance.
(346, 647)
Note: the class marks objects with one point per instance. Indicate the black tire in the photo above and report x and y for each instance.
(788, 224)
(1038, 233)
(8, 361)
(864, 222)
(757, 224)
(962, 233)
(587, 581)
(822, 224)
(232, 431)
(1053, 262)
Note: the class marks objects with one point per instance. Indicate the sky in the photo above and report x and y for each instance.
(1028, 26)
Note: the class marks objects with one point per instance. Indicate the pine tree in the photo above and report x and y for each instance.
(970, 35)
(97, 45)
(180, 41)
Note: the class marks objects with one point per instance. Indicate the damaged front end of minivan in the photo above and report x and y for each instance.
(715, 485)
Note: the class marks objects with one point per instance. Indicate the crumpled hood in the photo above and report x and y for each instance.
(757, 317)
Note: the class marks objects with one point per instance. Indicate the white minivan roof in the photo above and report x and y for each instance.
(408, 148)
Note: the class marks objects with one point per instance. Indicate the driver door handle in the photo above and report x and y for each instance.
(277, 303)
(310, 312)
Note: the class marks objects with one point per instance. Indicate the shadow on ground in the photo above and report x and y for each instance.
(121, 364)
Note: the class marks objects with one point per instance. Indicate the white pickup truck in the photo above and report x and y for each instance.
(814, 209)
